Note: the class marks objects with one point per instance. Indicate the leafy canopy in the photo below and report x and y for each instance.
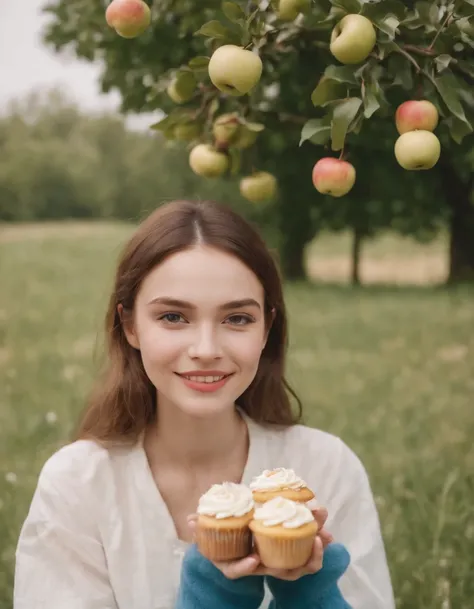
(424, 50)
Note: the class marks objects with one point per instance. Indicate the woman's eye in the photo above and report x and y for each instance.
(171, 318)
(240, 320)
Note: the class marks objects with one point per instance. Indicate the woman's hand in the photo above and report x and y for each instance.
(251, 565)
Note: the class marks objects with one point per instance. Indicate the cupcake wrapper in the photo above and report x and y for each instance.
(284, 553)
(224, 544)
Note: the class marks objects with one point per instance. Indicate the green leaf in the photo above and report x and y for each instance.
(343, 115)
(466, 66)
(233, 11)
(448, 89)
(256, 127)
(371, 103)
(350, 6)
(322, 137)
(327, 90)
(163, 124)
(379, 10)
(467, 40)
(388, 25)
(318, 130)
(185, 80)
(434, 13)
(401, 70)
(384, 49)
(412, 22)
(235, 158)
(442, 62)
(252, 16)
(464, 25)
(428, 13)
(214, 107)
(357, 123)
(213, 29)
(458, 129)
(199, 63)
(172, 119)
(344, 74)
(466, 10)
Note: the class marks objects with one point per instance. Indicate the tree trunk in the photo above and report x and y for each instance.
(461, 246)
(293, 261)
(357, 238)
(295, 223)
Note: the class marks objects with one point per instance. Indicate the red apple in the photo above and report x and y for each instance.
(333, 177)
(129, 18)
(416, 114)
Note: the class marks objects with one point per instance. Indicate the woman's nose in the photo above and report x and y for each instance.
(205, 343)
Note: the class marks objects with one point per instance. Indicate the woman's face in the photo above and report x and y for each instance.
(199, 325)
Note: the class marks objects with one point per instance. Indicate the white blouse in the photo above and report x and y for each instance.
(99, 536)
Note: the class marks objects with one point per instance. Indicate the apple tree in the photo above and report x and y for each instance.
(336, 106)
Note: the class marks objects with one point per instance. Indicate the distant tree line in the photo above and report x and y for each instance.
(57, 162)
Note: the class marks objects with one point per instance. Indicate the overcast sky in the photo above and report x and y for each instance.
(25, 64)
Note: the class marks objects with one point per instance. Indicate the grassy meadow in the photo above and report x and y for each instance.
(389, 369)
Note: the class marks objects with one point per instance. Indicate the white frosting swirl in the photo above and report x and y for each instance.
(279, 510)
(226, 500)
(277, 479)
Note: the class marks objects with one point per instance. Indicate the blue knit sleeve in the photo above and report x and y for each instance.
(203, 586)
(316, 591)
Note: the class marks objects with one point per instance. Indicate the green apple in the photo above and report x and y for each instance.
(288, 10)
(206, 161)
(417, 150)
(226, 129)
(186, 132)
(258, 187)
(416, 114)
(129, 18)
(353, 39)
(234, 70)
(333, 177)
(181, 88)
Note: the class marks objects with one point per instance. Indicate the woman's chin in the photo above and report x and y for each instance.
(204, 405)
(203, 408)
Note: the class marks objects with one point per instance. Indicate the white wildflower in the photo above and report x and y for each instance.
(51, 417)
(11, 477)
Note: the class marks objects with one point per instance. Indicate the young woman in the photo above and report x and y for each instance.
(193, 394)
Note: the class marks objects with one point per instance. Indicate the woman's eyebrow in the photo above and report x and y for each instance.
(184, 304)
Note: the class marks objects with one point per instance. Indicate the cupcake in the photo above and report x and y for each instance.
(280, 482)
(224, 515)
(284, 532)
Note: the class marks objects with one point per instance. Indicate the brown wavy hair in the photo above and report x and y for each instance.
(123, 402)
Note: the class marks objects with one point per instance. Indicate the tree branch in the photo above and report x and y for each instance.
(411, 48)
(439, 32)
(415, 63)
(445, 21)
(426, 52)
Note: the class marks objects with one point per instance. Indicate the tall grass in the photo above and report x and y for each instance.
(390, 370)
